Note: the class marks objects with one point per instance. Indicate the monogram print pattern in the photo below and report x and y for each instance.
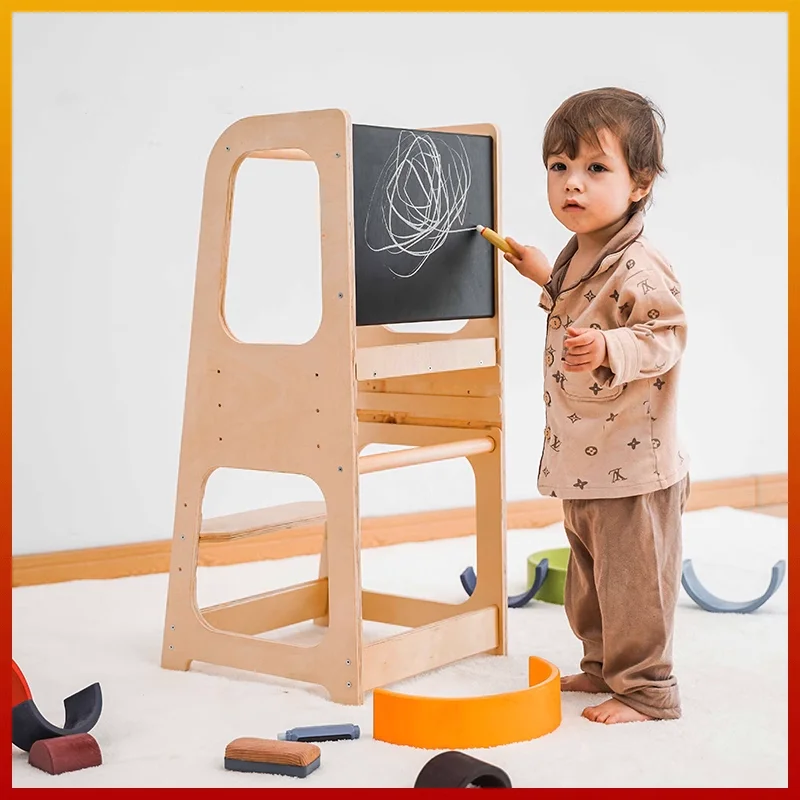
(597, 440)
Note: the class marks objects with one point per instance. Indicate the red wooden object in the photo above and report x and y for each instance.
(65, 753)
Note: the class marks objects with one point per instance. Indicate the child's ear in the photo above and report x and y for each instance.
(640, 191)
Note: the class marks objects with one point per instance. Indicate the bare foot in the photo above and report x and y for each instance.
(580, 683)
(612, 711)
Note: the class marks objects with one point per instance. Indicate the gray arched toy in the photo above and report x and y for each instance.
(469, 580)
(710, 602)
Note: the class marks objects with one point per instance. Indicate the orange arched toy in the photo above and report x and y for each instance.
(459, 723)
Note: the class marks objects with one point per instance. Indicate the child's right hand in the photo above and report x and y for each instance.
(530, 262)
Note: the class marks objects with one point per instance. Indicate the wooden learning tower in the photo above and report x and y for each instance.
(310, 409)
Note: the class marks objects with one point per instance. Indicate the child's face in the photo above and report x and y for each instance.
(595, 190)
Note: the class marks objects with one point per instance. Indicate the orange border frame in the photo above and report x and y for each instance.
(642, 6)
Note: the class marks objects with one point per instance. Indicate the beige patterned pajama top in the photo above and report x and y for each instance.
(613, 432)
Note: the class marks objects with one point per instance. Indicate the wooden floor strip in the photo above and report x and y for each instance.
(145, 558)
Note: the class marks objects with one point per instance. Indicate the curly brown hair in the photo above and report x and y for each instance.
(632, 118)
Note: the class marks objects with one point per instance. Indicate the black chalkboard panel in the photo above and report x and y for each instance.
(418, 196)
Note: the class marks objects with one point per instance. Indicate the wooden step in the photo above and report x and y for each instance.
(420, 358)
(262, 520)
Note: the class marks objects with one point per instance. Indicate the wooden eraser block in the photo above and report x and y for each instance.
(65, 753)
(250, 754)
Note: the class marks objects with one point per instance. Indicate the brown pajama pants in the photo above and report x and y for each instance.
(622, 587)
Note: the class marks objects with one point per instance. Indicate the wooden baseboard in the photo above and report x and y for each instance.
(146, 558)
(772, 489)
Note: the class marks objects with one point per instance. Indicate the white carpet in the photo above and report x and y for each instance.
(164, 728)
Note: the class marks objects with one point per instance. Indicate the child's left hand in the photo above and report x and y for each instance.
(585, 349)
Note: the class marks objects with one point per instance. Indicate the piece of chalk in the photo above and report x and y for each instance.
(321, 733)
(497, 240)
(250, 754)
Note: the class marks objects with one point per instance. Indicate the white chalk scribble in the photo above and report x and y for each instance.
(419, 198)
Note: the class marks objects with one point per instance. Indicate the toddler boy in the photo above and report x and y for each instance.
(616, 332)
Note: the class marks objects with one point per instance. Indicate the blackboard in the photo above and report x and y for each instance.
(417, 197)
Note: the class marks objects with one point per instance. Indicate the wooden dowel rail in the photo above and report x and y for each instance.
(424, 454)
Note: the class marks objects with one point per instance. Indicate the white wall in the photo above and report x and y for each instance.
(114, 117)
